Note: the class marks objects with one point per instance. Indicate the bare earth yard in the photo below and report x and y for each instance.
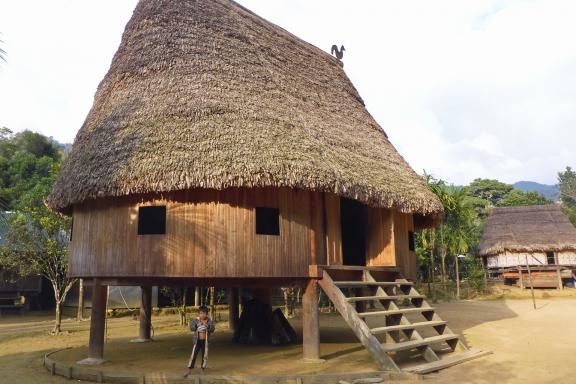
(530, 346)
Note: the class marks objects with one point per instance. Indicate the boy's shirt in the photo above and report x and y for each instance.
(202, 328)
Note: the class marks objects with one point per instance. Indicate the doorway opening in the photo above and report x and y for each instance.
(550, 258)
(353, 216)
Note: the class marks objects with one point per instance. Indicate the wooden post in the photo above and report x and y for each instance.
(360, 305)
(310, 323)
(145, 314)
(80, 314)
(520, 276)
(212, 306)
(97, 324)
(196, 296)
(531, 283)
(233, 308)
(559, 273)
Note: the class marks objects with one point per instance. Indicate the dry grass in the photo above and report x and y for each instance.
(205, 94)
(539, 228)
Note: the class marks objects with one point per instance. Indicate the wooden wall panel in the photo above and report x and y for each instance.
(406, 259)
(380, 248)
(333, 229)
(208, 234)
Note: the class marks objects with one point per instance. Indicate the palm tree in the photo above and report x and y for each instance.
(440, 189)
(458, 229)
(462, 230)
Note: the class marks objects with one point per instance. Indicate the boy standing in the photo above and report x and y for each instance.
(202, 327)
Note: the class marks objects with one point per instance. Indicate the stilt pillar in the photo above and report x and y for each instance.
(97, 324)
(233, 310)
(311, 323)
(80, 314)
(145, 315)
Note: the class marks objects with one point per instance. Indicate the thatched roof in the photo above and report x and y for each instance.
(204, 93)
(537, 228)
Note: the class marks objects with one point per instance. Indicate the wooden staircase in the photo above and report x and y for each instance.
(379, 303)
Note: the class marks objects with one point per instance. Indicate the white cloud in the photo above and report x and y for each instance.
(464, 89)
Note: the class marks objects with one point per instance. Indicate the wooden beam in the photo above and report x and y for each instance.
(145, 314)
(310, 323)
(233, 308)
(448, 361)
(218, 282)
(359, 268)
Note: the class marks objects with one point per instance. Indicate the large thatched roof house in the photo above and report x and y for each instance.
(205, 94)
(540, 234)
(221, 150)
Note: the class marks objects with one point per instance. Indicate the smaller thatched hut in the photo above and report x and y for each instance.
(540, 236)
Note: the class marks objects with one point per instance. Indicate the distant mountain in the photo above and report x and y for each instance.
(549, 191)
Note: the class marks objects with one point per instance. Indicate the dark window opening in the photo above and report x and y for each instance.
(152, 220)
(550, 258)
(267, 221)
(411, 245)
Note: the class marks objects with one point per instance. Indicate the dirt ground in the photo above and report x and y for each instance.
(530, 346)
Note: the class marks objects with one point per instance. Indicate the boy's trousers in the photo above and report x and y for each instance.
(200, 346)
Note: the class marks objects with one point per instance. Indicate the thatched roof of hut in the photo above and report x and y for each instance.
(204, 93)
(537, 228)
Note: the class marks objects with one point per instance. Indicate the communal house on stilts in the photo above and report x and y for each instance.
(221, 150)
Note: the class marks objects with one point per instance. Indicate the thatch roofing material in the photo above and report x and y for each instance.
(203, 93)
(538, 228)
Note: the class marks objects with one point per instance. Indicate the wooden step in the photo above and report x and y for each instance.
(447, 361)
(418, 343)
(368, 298)
(346, 284)
(403, 327)
(400, 311)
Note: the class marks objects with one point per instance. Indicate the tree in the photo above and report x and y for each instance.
(36, 144)
(290, 298)
(36, 241)
(457, 233)
(490, 190)
(462, 229)
(443, 193)
(177, 297)
(27, 160)
(567, 185)
(517, 198)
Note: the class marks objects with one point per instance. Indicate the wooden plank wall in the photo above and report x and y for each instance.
(387, 241)
(405, 259)
(209, 233)
(380, 249)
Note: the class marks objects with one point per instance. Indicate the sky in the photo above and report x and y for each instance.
(464, 89)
